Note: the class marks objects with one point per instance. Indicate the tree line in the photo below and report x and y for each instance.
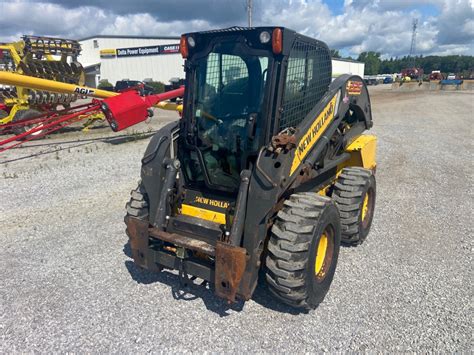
(459, 64)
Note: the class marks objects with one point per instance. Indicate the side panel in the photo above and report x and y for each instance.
(279, 171)
(363, 152)
(153, 172)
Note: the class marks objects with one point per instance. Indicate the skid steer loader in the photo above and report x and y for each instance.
(267, 168)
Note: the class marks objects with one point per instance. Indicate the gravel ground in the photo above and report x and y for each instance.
(67, 284)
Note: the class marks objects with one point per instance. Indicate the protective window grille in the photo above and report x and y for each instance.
(307, 79)
(231, 69)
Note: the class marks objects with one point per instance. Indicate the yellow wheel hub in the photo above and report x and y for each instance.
(365, 206)
(321, 253)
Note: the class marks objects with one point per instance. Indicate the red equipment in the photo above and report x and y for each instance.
(130, 108)
(121, 111)
(413, 73)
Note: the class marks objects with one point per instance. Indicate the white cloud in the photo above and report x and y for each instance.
(380, 25)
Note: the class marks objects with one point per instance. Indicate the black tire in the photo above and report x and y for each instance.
(354, 193)
(21, 115)
(137, 207)
(291, 269)
(3, 114)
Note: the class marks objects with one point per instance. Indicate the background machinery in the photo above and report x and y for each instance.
(412, 72)
(128, 108)
(267, 169)
(48, 58)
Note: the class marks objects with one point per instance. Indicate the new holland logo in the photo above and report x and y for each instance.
(211, 202)
(317, 128)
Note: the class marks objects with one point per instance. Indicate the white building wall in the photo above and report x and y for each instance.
(157, 67)
(340, 67)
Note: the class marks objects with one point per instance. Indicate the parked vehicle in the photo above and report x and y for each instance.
(127, 85)
(371, 81)
(436, 75)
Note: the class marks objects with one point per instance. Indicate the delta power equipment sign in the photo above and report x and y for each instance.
(140, 51)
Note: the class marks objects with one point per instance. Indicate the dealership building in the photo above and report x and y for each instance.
(130, 57)
(151, 58)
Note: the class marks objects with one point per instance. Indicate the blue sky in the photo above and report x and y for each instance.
(337, 7)
(352, 26)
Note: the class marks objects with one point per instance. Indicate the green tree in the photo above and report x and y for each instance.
(158, 86)
(446, 64)
(104, 84)
(335, 53)
(372, 62)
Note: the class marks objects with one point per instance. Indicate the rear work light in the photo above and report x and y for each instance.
(183, 47)
(277, 41)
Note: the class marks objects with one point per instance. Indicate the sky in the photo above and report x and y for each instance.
(351, 26)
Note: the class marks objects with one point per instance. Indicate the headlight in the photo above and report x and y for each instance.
(264, 37)
(191, 42)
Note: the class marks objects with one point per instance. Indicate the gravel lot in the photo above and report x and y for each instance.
(67, 284)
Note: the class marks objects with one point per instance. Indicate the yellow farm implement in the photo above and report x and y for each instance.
(54, 59)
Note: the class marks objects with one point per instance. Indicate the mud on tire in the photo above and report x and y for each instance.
(292, 262)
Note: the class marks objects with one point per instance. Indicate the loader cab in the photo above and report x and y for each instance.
(243, 86)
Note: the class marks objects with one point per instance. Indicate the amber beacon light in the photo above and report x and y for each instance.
(183, 46)
(277, 41)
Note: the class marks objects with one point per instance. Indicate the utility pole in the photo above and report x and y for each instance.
(249, 12)
(413, 43)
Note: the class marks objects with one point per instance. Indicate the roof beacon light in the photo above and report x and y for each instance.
(277, 41)
(264, 37)
(183, 47)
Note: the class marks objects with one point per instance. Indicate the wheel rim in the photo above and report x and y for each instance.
(324, 253)
(365, 206)
(35, 126)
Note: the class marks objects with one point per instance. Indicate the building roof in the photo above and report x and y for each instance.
(132, 37)
(347, 60)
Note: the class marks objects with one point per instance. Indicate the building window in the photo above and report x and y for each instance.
(96, 43)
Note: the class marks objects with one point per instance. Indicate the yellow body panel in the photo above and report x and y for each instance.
(363, 152)
(202, 213)
(315, 131)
